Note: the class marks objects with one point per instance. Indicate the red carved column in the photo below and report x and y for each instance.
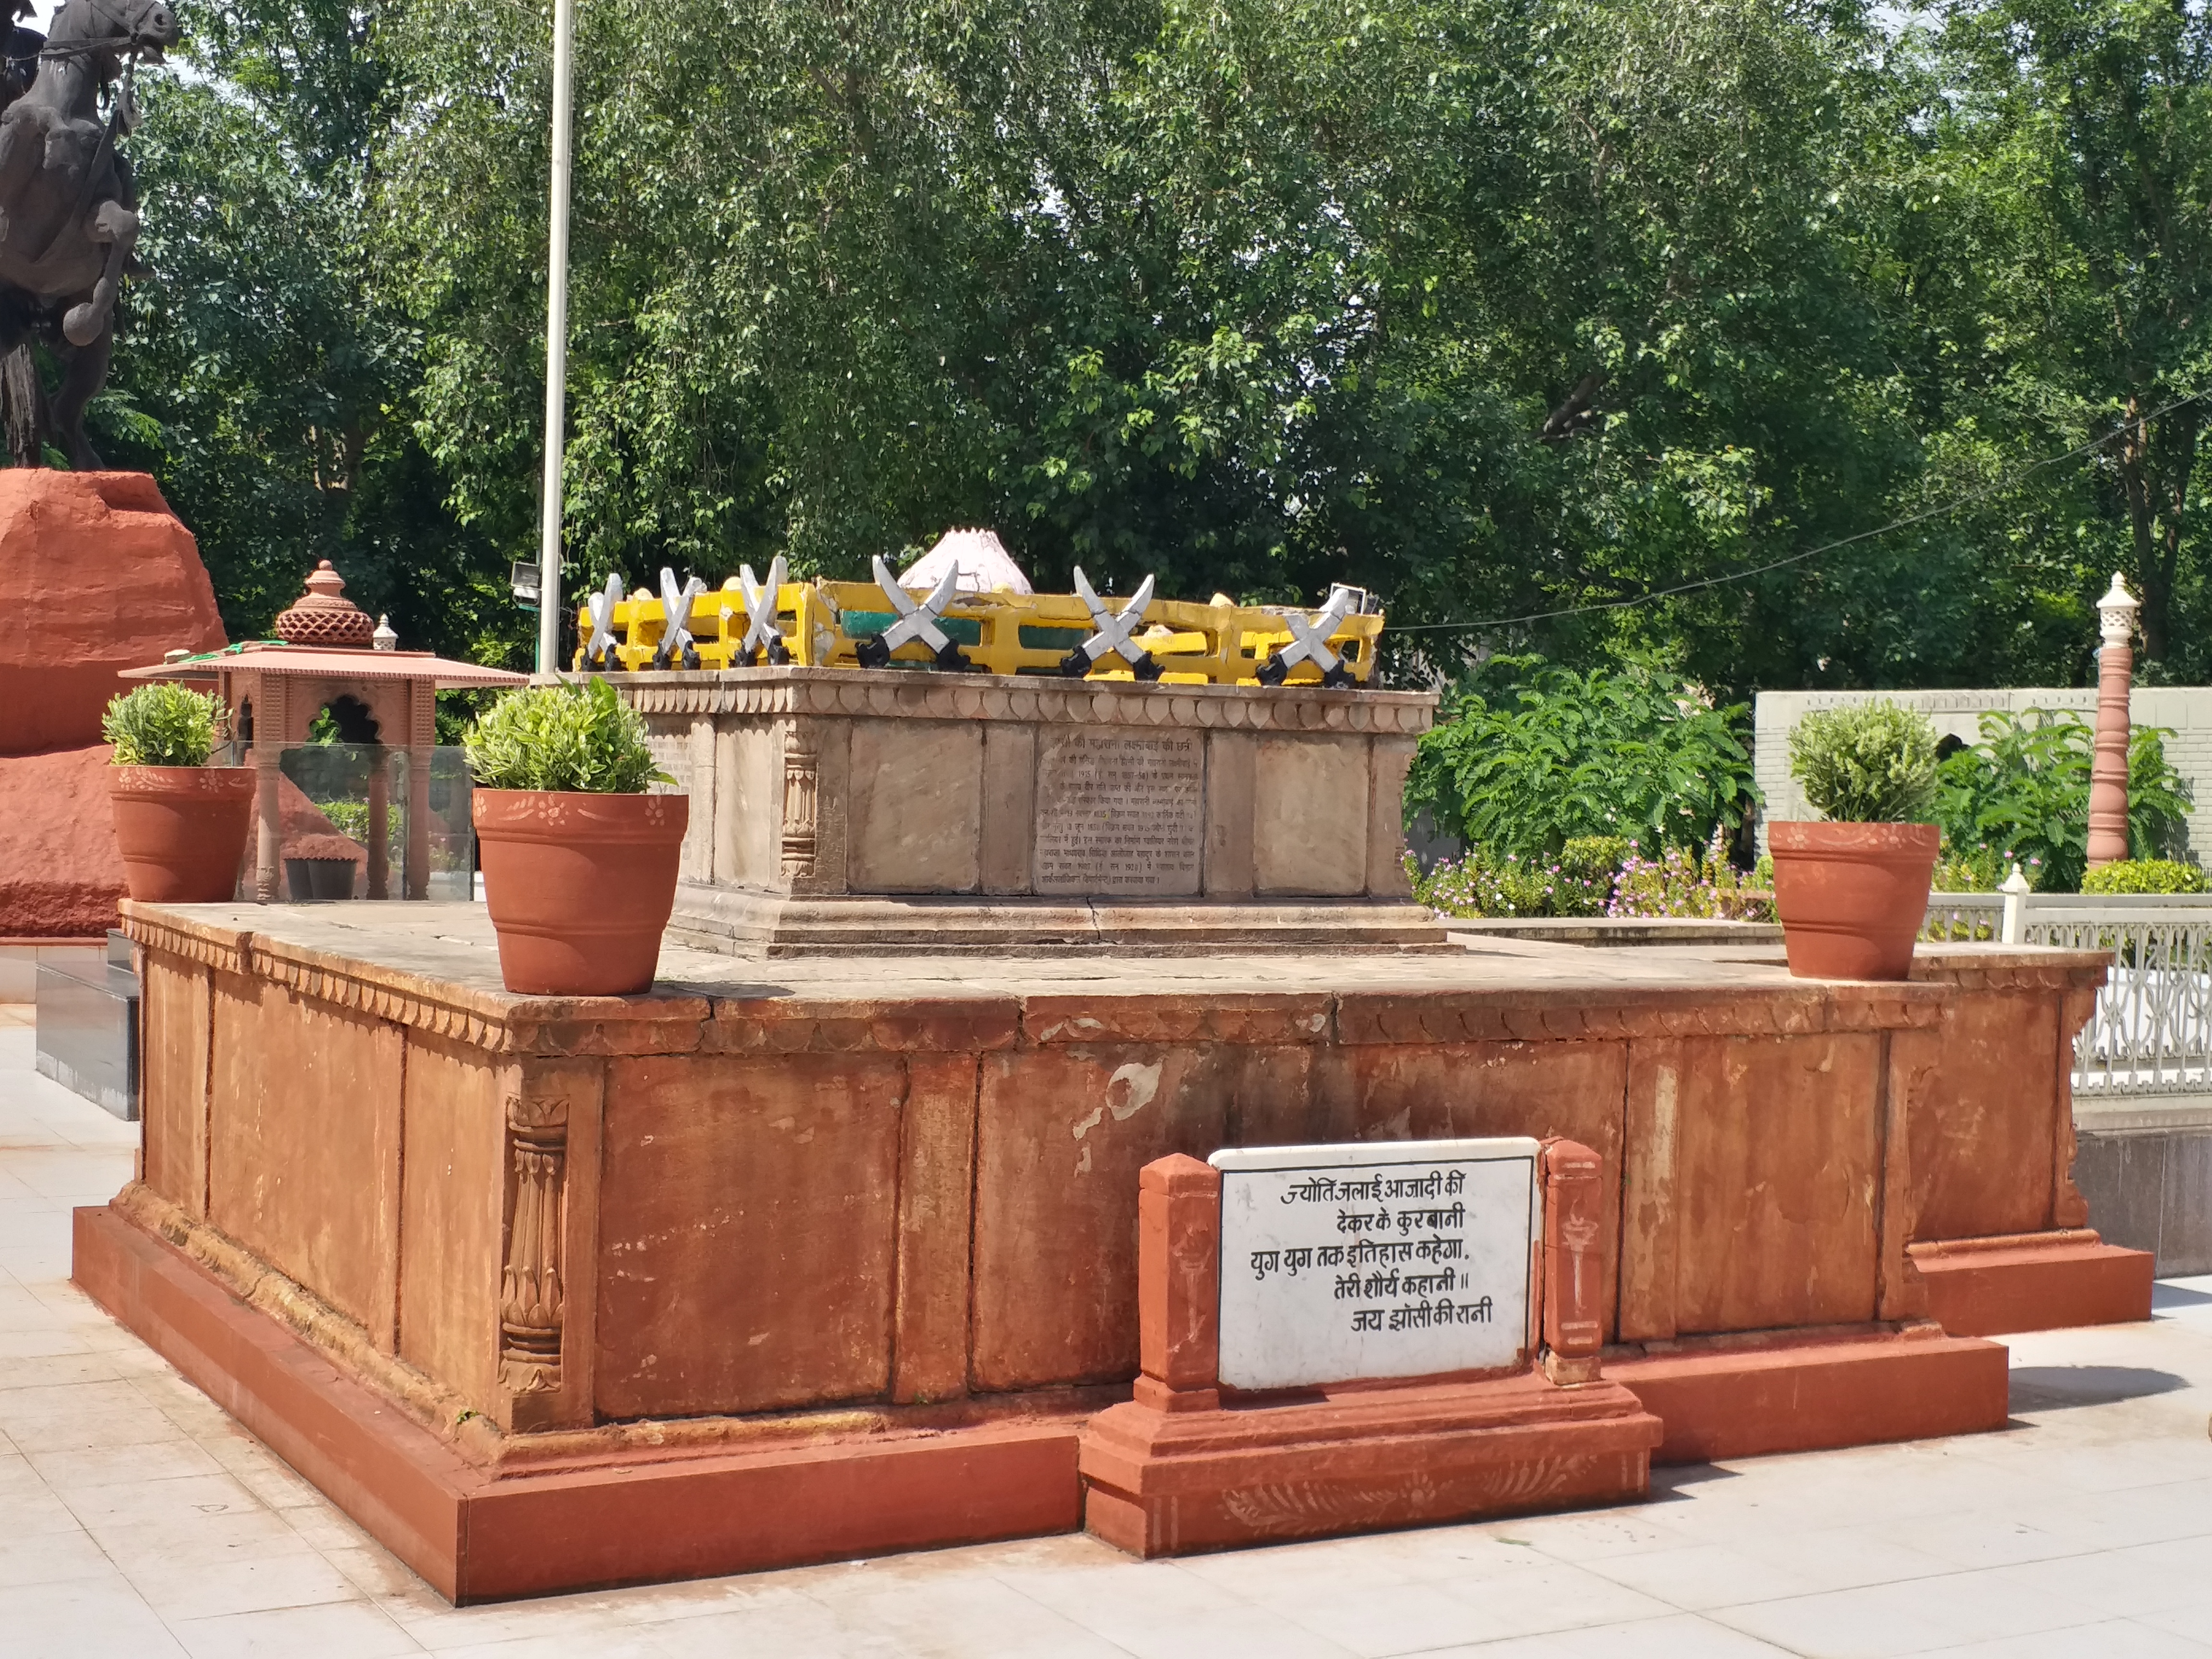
(2108, 776)
(1574, 1263)
(1179, 1285)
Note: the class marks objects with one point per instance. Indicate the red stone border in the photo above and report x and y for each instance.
(630, 1520)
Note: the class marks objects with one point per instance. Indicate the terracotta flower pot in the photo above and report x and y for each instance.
(181, 829)
(579, 886)
(1852, 897)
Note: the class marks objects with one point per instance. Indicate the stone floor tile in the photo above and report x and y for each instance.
(2192, 1623)
(59, 1370)
(1679, 1635)
(339, 1630)
(101, 1466)
(1921, 1615)
(2125, 1583)
(93, 1618)
(94, 1429)
(179, 1500)
(1838, 1557)
(43, 1341)
(48, 1558)
(1561, 1595)
(1387, 1620)
(1591, 1536)
(1699, 1576)
(2117, 1638)
(1982, 1539)
(263, 1578)
(2144, 1515)
(959, 1614)
(609, 1645)
(1239, 1632)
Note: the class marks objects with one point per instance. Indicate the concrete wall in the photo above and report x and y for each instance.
(2186, 711)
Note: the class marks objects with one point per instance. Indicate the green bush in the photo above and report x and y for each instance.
(1530, 756)
(578, 739)
(2022, 794)
(2147, 876)
(163, 724)
(1685, 881)
(1867, 762)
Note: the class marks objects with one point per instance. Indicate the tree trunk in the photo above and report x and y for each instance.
(23, 407)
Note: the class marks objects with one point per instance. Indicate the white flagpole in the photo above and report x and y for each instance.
(556, 345)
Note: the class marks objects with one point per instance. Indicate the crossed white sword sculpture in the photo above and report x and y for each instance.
(1113, 632)
(763, 640)
(600, 652)
(1310, 643)
(914, 622)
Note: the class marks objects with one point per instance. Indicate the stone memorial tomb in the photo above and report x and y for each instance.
(838, 811)
(1342, 1338)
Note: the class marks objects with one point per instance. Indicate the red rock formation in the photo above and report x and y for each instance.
(60, 874)
(96, 574)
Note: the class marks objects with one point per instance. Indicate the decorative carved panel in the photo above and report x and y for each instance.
(529, 1288)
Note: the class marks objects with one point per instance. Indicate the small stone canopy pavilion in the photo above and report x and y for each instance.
(328, 654)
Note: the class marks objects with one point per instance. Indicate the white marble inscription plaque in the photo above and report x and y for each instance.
(1402, 1259)
(1120, 811)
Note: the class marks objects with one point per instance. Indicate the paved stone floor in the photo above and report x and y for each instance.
(136, 1520)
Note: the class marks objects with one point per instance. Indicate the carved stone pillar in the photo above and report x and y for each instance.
(2108, 775)
(379, 824)
(1574, 1266)
(269, 724)
(531, 1292)
(421, 737)
(802, 777)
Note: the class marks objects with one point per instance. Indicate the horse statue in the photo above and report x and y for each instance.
(69, 213)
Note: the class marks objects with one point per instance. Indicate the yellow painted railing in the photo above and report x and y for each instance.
(821, 623)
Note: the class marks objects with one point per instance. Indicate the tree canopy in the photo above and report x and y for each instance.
(1507, 309)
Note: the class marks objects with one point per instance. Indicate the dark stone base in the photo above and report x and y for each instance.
(2145, 1165)
(87, 1034)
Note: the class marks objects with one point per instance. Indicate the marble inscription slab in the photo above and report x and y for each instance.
(1390, 1259)
(1119, 812)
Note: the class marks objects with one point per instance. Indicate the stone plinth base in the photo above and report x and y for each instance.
(2034, 1282)
(478, 1536)
(763, 924)
(1733, 1400)
(830, 806)
(1359, 1459)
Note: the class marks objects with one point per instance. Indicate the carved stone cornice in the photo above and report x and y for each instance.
(456, 1015)
(855, 693)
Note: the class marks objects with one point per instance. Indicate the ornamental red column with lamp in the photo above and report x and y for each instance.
(2108, 775)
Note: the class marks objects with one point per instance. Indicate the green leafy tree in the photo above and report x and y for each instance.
(2021, 795)
(1530, 756)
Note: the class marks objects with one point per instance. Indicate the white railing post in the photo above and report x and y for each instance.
(2014, 931)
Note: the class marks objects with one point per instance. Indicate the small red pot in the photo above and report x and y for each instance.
(580, 886)
(1852, 897)
(181, 829)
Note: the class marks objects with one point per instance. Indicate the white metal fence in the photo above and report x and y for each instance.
(2152, 1031)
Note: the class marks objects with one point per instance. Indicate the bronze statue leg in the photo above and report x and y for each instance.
(117, 226)
(87, 372)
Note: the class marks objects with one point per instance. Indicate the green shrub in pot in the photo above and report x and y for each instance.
(580, 863)
(163, 724)
(180, 824)
(566, 738)
(1852, 889)
(1867, 763)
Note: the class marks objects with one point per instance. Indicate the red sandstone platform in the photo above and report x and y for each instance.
(516, 1284)
(480, 1534)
